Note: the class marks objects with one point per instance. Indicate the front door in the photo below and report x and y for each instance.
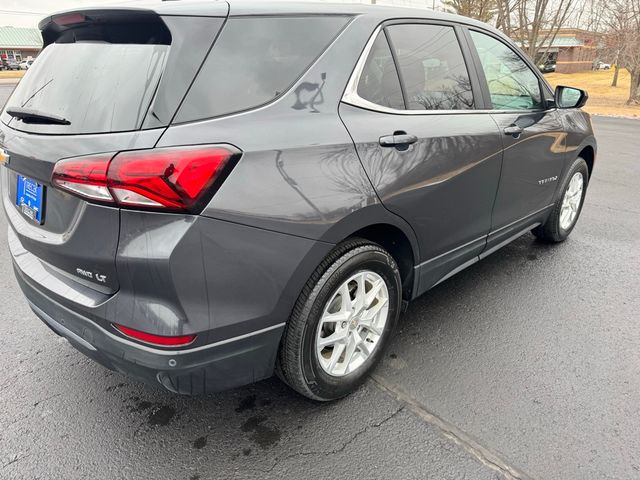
(431, 156)
(533, 137)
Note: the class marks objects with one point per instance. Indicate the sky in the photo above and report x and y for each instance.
(27, 13)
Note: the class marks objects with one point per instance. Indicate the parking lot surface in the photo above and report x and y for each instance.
(525, 365)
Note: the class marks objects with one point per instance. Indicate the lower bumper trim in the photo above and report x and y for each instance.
(210, 368)
(61, 329)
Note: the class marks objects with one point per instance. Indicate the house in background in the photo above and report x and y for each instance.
(18, 43)
(572, 50)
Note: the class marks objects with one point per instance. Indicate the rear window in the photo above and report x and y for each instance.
(97, 73)
(255, 60)
(96, 86)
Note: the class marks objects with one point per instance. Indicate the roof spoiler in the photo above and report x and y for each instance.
(113, 25)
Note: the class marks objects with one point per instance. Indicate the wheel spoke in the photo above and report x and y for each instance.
(352, 346)
(371, 313)
(373, 293)
(370, 327)
(361, 294)
(337, 317)
(573, 187)
(335, 356)
(333, 339)
(345, 298)
(364, 348)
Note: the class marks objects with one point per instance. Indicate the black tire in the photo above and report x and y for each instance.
(551, 231)
(297, 364)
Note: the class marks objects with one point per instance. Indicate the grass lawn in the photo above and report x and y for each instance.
(603, 98)
(12, 73)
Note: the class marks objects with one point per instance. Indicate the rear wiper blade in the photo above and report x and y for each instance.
(28, 115)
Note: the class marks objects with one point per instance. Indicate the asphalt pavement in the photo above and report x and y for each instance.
(526, 365)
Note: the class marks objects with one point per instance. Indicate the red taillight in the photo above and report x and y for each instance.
(160, 340)
(86, 176)
(173, 178)
(166, 178)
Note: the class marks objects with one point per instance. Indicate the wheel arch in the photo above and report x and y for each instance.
(376, 224)
(588, 154)
(394, 241)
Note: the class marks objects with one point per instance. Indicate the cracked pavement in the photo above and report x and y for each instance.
(523, 366)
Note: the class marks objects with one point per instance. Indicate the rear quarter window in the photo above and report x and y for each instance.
(255, 60)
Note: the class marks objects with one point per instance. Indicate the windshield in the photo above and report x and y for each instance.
(96, 86)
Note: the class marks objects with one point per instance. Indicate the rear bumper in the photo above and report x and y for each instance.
(218, 366)
(232, 285)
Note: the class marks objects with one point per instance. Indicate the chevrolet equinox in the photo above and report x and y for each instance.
(203, 193)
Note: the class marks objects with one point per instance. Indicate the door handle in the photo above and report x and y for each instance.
(513, 130)
(399, 140)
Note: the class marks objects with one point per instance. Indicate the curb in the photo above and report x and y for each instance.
(623, 117)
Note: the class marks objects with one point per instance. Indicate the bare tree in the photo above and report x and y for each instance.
(533, 23)
(540, 20)
(623, 41)
(483, 10)
(505, 11)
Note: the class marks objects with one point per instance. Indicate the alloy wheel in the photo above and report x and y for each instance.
(571, 201)
(352, 323)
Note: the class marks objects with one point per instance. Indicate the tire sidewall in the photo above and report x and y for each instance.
(320, 382)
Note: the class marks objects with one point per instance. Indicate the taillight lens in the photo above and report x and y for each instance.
(160, 340)
(86, 176)
(176, 179)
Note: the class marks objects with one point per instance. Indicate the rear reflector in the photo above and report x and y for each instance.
(174, 179)
(160, 340)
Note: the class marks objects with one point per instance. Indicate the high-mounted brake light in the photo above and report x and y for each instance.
(71, 19)
(175, 179)
(178, 341)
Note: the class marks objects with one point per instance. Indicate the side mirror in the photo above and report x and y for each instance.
(569, 97)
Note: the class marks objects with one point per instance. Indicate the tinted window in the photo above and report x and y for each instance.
(98, 87)
(379, 81)
(255, 60)
(512, 84)
(432, 67)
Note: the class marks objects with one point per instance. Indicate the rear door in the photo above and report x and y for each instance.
(414, 111)
(100, 76)
(534, 141)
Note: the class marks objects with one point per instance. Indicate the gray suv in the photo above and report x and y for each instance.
(201, 194)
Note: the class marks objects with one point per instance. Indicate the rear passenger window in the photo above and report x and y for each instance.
(255, 60)
(432, 68)
(379, 82)
(512, 84)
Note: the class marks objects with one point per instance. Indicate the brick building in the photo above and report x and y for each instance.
(572, 50)
(17, 43)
